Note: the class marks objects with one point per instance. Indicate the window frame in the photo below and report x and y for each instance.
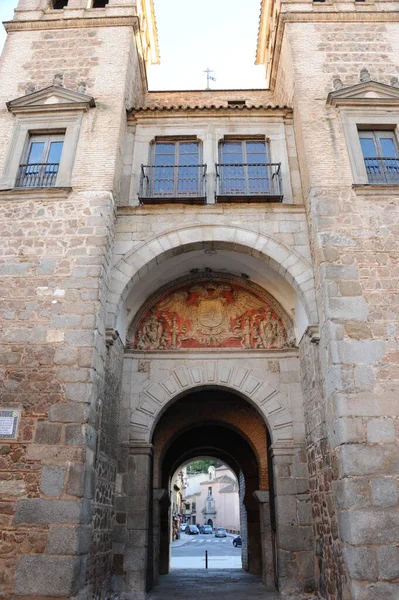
(355, 121)
(48, 124)
(383, 168)
(176, 141)
(248, 190)
(48, 139)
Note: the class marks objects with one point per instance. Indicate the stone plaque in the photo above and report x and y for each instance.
(9, 421)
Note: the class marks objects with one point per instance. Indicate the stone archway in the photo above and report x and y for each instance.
(227, 427)
(225, 373)
(136, 264)
(269, 384)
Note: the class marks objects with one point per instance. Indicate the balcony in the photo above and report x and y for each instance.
(163, 184)
(248, 182)
(37, 175)
(382, 170)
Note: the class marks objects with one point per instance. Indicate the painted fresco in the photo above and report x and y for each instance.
(210, 314)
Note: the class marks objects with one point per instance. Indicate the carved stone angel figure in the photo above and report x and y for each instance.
(151, 334)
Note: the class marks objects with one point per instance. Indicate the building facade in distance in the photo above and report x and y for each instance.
(203, 273)
(213, 499)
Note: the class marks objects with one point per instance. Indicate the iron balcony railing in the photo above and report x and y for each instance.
(249, 181)
(37, 175)
(163, 183)
(382, 170)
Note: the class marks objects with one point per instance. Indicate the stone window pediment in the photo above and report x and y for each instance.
(370, 93)
(50, 99)
(48, 111)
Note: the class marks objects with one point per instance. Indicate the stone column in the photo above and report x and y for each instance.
(253, 532)
(263, 497)
(138, 520)
(294, 532)
(161, 536)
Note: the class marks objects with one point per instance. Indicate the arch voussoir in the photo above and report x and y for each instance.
(285, 260)
(260, 392)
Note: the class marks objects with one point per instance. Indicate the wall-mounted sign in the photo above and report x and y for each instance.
(9, 421)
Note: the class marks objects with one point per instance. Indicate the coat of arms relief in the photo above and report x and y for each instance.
(211, 314)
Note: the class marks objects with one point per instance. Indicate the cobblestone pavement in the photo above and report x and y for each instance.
(211, 585)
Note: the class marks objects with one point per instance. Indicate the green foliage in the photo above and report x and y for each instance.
(201, 466)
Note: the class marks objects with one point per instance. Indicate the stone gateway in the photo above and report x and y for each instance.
(199, 273)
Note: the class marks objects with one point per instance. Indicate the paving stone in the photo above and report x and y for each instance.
(212, 584)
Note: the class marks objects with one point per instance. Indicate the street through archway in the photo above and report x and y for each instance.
(190, 553)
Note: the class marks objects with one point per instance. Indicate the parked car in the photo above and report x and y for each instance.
(237, 542)
(201, 529)
(220, 532)
(207, 529)
(192, 530)
(183, 526)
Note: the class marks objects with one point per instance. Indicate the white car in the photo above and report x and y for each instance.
(183, 527)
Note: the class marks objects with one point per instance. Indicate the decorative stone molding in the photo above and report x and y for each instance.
(53, 98)
(262, 496)
(365, 93)
(313, 332)
(212, 373)
(289, 263)
(140, 448)
(110, 336)
(249, 291)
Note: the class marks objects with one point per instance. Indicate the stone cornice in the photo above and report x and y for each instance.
(277, 207)
(37, 194)
(80, 23)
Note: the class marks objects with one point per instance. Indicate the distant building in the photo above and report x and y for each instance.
(212, 499)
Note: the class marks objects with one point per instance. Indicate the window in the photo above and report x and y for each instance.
(209, 491)
(41, 161)
(245, 171)
(194, 506)
(58, 4)
(175, 168)
(381, 158)
(175, 172)
(100, 3)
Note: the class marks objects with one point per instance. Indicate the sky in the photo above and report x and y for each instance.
(195, 35)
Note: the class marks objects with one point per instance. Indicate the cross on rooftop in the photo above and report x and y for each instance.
(209, 77)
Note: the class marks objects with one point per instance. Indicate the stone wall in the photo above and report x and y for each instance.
(51, 345)
(355, 254)
(101, 564)
(54, 267)
(330, 571)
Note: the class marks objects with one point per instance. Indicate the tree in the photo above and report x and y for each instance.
(201, 466)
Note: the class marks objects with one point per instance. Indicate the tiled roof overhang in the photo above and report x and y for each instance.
(209, 108)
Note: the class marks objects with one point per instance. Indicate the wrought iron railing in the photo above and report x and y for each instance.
(382, 170)
(172, 182)
(37, 175)
(246, 180)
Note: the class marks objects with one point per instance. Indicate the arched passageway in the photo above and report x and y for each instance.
(221, 424)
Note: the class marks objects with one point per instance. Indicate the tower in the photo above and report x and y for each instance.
(335, 64)
(62, 178)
